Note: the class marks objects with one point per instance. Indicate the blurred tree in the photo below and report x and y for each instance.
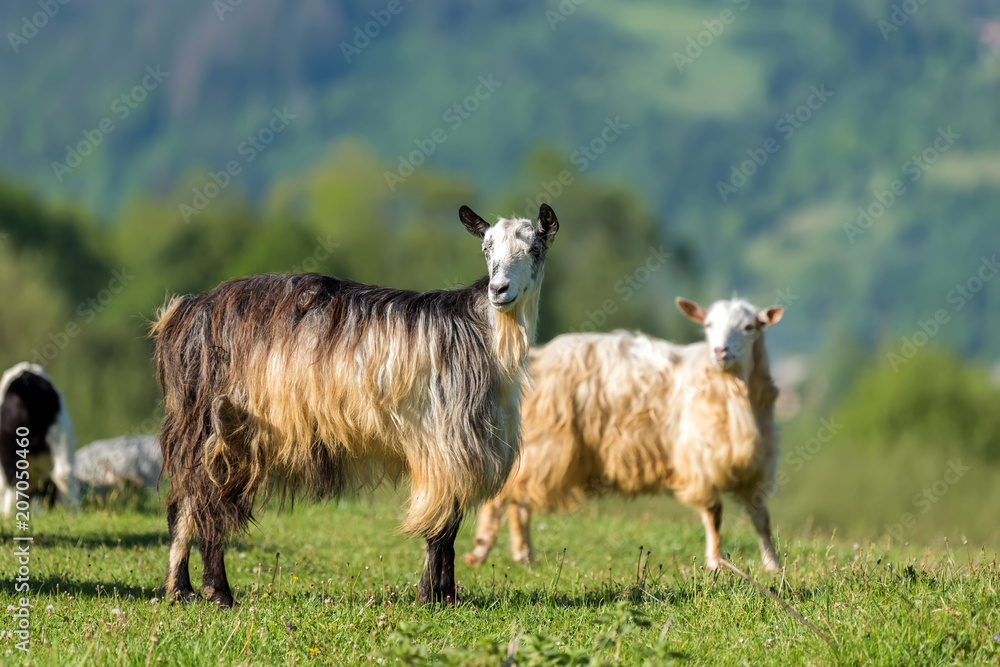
(410, 239)
(613, 265)
(33, 308)
(932, 401)
(65, 243)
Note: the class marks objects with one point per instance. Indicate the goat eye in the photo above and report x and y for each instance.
(748, 327)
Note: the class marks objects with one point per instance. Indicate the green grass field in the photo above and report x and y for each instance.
(342, 592)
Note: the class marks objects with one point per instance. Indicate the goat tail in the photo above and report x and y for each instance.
(207, 460)
(163, 314)
(231, 457)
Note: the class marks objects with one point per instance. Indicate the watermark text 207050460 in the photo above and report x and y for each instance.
(22, 543)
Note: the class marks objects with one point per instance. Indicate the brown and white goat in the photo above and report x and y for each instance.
(327, 385)
(633, 414)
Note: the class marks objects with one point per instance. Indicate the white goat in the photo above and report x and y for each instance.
(634, 414)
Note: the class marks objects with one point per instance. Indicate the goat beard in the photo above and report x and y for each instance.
(514, 335)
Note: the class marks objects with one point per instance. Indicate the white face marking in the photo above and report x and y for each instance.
(514, 258)
(731, 329)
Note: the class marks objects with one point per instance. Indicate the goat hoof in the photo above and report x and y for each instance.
(472, 560)
(183, 597)
(438, 597)
(224, 602)
(223, 599)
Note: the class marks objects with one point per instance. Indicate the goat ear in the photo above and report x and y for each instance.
(691, 310)
(770, 315)
(476, 225)
(548, 224)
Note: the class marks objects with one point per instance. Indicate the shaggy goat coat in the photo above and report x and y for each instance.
(327, 385)
(330, 385)
(633, 414)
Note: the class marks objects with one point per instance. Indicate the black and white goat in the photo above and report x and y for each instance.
(36, 440)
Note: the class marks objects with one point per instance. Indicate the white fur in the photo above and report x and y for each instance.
(633, 414)
(731, 326)
(506, 245)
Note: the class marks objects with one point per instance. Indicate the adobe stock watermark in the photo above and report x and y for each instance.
(899, 16)
(22, 543)
(150, 425)
(581, 158)
(86, 312)
(363, 35)
(958, 297)
(696, 44)
(914, 168)
(320, 254)
(798, 458)
(562, 12)
(786, 126)
(627, 287)
(785, 297)
(223, 7)
(455, 116)
(121, 108)
(248, 149)
(30, 25)
(929, 496)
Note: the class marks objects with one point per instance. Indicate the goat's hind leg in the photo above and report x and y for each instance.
(214, 582)
(227, 511)
(180, 522)
(221, 517)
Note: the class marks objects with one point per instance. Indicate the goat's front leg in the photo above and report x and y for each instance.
(438, 581)
(711, 518)
(7, 499)
(65, 482)
(486, 532)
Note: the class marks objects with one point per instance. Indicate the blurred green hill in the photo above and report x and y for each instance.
(838, 157)
(698, 97)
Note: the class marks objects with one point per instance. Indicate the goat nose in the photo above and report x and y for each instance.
(500, 290)
(720, 352)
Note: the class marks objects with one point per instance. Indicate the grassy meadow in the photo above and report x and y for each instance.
(878, 239)
(335, 584)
